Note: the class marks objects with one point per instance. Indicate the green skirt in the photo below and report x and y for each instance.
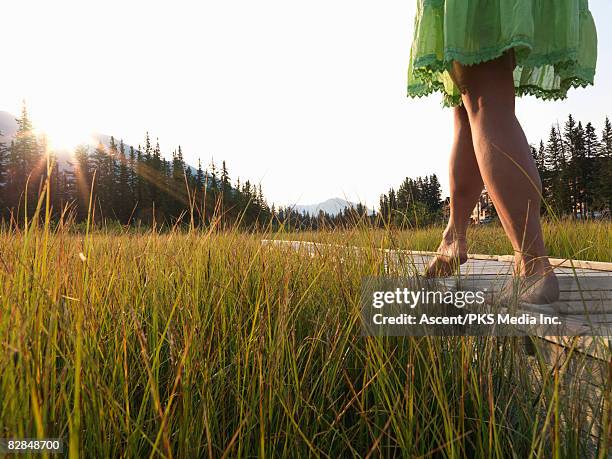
(554, 42)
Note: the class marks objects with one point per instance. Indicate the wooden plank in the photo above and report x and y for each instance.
(484, 271)
(582, 264)
(581, 307)
(591, 287)
(479, 256)
(585, 282)
(582, 272)
(495, 267)
(572, 312)
(564, 272)
(599, 318)
(586, 295)
(471, 271)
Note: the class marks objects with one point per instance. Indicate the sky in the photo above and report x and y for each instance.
(306, 98)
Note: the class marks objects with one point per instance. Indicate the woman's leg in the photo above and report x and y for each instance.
(507, 167)
(465, 188)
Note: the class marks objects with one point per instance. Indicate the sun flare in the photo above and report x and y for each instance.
(63, 134)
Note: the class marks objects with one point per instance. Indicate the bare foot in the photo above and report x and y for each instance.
(450, 255)
(533, 289)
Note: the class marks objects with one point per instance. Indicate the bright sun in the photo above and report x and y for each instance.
(62, 133)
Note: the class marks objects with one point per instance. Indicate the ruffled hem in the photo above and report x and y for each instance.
(427, 68)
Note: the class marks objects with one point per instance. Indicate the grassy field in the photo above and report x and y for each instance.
(209, 344)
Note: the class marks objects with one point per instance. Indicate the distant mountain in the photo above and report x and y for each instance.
(8, 126)
(332, 206)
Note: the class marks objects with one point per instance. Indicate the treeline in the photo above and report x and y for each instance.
(348, 218)
(139, 185)
(576, 169)
(123, 184)
(417, 202)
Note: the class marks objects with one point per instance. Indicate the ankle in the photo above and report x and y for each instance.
(451, 234)
(527, 266)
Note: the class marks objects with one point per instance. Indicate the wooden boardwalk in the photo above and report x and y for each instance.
(585, 300)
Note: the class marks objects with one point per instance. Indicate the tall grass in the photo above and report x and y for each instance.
(201, 343)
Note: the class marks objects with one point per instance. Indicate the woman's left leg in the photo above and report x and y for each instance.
(508, 170)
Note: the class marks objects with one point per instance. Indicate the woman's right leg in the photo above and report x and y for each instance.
(465, 188)
(464, 176)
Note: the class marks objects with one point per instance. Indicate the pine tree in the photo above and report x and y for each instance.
(178, 182)
(434, 198)
(189, 177)
(579, 168)
(55, 180)
(99, 166)
(84, 174)
(68, 183)
(603, 179)
(178, 166)
(123, 195)
(539, 157)
(540, 160)
(145, 173)
(383, 206)
(156, 179)
(199, 178)
(3, 176)
(555, 165)
(132, 175)
(225, 187)
(392, 200)
(26, 164)
(569, 153)
(214, 185)
(591, 144)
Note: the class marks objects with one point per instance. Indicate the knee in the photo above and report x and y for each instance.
(460, 116)
(489, 111)
(486, 88)
(465, 185)
(461, 121)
